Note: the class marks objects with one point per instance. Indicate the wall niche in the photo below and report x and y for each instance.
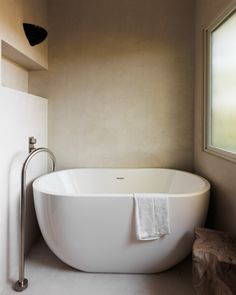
(16, 68)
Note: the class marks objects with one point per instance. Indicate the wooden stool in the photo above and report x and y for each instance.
(214, 263)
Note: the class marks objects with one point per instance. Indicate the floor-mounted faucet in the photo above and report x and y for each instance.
(22, 283)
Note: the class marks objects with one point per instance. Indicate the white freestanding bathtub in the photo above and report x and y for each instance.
(86, 217)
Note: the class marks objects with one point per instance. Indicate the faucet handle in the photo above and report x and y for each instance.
(32, 142)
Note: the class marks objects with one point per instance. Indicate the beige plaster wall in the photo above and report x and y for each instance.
(12, 14)
(120, 84)
(220, 172)
(14, 76)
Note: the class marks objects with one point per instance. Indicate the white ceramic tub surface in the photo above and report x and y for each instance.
(86, 217)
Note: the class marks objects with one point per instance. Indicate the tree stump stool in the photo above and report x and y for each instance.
(214, 263)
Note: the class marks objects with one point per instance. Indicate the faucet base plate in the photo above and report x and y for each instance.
(20, 285)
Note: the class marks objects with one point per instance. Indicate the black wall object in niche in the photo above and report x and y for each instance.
(35, 34)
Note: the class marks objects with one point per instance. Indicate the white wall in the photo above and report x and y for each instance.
(21, 115)
(120, 83)
(220, 172)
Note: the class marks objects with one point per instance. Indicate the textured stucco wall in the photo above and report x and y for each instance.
(12, 15)
(14, 76)
(220, 172)
(120, 83)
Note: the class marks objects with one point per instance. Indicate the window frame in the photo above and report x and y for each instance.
(207, 113)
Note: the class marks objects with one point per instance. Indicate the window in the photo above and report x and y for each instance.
(220, 86)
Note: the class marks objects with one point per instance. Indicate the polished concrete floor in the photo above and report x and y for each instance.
(49, 276)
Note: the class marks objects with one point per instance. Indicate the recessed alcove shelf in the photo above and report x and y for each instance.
(16, 67)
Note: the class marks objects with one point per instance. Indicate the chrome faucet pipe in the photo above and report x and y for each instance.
(22, 283)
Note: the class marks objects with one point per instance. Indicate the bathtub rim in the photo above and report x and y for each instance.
(37, 187)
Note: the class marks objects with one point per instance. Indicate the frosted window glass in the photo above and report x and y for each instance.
(223, 86)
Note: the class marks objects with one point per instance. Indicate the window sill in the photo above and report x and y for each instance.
(220, 153)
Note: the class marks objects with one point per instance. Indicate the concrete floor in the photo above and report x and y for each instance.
(47, 275)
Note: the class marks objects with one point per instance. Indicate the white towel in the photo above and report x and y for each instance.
(152, 216)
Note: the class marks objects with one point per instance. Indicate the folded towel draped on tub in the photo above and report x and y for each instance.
(152, 216)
